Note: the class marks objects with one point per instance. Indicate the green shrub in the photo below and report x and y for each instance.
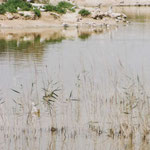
(49, 7)
(72, 10)
(84, 12)
(61, 8)
(2, 9)
(37, 12)
(64, 4)
(55, 9)
(12, 5)
(11, 9)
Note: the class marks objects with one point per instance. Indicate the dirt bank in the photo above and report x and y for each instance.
(49, 19)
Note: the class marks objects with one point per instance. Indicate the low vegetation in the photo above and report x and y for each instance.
(12, 6)
(84, 12)
(37, 12)
(61, 7)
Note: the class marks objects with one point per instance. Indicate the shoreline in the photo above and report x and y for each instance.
(97, 18)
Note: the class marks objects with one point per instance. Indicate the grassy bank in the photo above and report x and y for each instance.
(13, 6)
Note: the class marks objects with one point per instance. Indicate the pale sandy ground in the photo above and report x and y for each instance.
(48, 20)
(103, 2)
(107, 2)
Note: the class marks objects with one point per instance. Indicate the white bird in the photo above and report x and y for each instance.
(110, 10)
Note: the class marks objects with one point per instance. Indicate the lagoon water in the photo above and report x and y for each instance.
(67, 57)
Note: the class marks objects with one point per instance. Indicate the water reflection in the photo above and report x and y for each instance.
(34, 43)
(136, 14)
(102, 101)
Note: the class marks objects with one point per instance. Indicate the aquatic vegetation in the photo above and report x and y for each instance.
(84, 35)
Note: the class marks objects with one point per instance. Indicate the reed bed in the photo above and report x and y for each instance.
(89, 114)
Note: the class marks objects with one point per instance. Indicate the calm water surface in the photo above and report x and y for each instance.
(64, 56)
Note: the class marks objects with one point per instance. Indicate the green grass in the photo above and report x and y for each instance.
(61, 8)
(55, 9)
(37, 12)
(2, 10)
(12, 5)
(64, 4)
(84, 12)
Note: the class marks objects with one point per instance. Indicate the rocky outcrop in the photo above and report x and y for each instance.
(98, 14)
(27, 15)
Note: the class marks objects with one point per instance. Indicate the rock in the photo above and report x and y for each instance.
(18, 8)
(42, 10)
(16, 16)
(117, 15)
(74, 7)
(37, 5)
(97, 14)
(65, 25)
(27, 14)
(9, 16)
(55, 15)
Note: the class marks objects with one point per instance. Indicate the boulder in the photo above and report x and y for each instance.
(97, 14)
(55, 15)
(117, 15)
(27, 14)
(9, 16)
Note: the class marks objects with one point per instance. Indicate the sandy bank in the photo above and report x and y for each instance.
(49, 19)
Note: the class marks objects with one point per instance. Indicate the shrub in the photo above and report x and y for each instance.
(61, 8)
(55, 9)
(2, 9)
(49, 7)
(64, 4)
(12, 5)
(84, 12)
(37, 12)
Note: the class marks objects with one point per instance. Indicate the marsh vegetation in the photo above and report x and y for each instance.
(74, 89)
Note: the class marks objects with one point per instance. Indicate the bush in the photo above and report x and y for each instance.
(55, 9)
(37, 12)
(64, 4)
(84, 12)
(2, 9)
(12, 5)
(61, 8)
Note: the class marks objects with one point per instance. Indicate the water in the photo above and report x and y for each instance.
(88, 67)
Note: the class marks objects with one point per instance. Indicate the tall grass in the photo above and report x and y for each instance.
(120, 116)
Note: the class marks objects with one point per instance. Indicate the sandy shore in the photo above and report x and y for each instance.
(49, 19)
